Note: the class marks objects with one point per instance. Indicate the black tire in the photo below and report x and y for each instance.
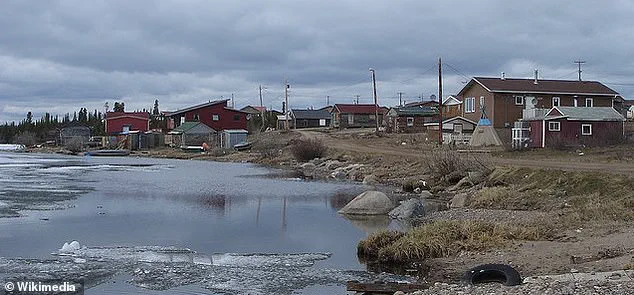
(492, 273)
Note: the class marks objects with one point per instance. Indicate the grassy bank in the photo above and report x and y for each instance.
(573, 199)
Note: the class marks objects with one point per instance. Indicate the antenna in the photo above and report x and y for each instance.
(580, 62)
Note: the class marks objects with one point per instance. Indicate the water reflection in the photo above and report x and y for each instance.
(369, 223)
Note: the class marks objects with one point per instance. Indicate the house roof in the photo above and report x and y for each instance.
(310, 114)
(415, 111)
(215, 102)
(137, 115)
(570, 87)
(358, 108)
(585, 114)
(447, 121)
(253, 109)
(422, 103)
(187, 126)
(451, 101)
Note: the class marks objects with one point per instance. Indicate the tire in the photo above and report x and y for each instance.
(492, 273)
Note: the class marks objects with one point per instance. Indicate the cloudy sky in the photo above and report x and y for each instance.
(57, 56)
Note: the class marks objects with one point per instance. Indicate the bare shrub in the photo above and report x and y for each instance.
(307, 149)
(26, 138)
(443, 162)
(74, 144)
(268, 148)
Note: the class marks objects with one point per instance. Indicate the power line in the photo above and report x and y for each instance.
(580, 62)
(456, 71)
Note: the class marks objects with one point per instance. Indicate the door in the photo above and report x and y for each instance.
(350, 119)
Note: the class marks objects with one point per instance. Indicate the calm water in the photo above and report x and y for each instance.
(208, 207)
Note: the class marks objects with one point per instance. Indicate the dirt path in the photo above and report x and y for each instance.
(350, 145)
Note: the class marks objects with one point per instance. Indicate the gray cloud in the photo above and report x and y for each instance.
(60, 55)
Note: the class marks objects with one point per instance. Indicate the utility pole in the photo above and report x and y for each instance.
(400, 98)
(440, 100)
(376, 102)
(580, 62)
(262, 108)
(327, 100)
(286, 86)
(233, 104)
(357, 96)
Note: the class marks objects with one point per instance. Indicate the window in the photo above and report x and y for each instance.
(236, 117)
(481, 101)
(586, 129)
(215, 117)
(410, 121)
(196, 117)
(469, 106)
(589, 102)
(519, 100)
(556, 101)
(554, 126)
(182, 120)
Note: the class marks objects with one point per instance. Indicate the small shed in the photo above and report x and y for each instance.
(456, 130)
(231, 137)
(193, 134)
(74, 132)
(310, 118)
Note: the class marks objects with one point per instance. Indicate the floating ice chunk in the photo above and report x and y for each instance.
(70, 248)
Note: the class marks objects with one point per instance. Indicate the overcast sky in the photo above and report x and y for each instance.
(58, 56)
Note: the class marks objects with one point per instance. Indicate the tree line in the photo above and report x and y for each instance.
(30, 131)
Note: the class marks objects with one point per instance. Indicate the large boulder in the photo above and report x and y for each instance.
(408, 209)
(369, 203)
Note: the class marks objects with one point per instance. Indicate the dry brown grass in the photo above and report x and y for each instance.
(576, 197)
(307, 149)
(446, 238)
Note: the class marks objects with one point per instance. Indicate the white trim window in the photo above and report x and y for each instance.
(586, 129)
(519, 100)
(469, 106)
(589, 102)
(554, 126)
(410, 121)
(215, 117)
(556, 101)
(482, 101)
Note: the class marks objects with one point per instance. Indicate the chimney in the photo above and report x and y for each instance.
(536, 74)
(503, 76)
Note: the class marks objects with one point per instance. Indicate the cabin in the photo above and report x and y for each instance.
(191, 134)
(576, 126)
(310, 118)
(505, 100)
(357, 115)
(456, 130)
(410, 119)
(74, 132)
(254, 110)
(215, 114)
(124, 122)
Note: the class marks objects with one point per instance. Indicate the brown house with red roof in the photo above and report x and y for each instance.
(356, 115)
(508, 100)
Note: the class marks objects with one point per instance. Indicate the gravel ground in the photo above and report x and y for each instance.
(484, 215)
(538, 287)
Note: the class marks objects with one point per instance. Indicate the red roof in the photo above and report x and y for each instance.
(138, 115)
(358, 108)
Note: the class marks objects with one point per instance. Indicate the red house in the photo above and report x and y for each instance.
(214, 114)
(576, 126)
(124, 122)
